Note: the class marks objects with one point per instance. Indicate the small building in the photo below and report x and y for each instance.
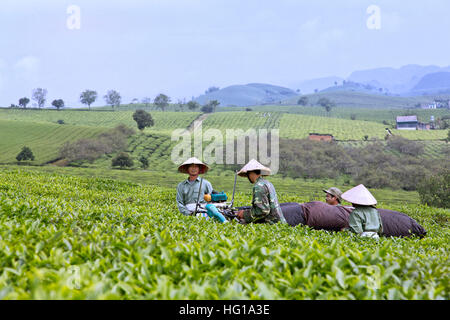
(423, 126)
(320, 137)
(407, 123)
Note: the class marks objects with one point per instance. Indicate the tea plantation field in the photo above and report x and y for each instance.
(164, 122)
(44, 139)
(67, 237)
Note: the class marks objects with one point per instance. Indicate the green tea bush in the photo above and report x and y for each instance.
(66, 237)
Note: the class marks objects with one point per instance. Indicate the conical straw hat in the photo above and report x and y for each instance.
(184, 167)
(254, 165)
(359, 195)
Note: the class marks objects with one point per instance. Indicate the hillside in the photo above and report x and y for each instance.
(246, 95)
(44, 139)
(396, 80)
(438, 82)
(356, 99)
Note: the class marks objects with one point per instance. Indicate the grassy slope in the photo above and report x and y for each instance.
(364, 100)
(44, 139)
(165, 122)
(297, 126)
(367, 114)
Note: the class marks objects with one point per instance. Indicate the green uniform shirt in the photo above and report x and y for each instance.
(365, 218)
(188, 193)
(265, 206)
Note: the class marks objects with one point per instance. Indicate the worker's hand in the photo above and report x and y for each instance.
(240, 214)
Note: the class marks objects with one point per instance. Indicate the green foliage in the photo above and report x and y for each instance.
(122, 160)
(192, 105)
(143, 119)
(405, 146)
(88, 97)
(90, 149)
(113, 98)
(161, 101)
(144, 162)
(25, 154)
(303, 101)
(23, 102)
(65, 237)
(207, 109)
(371, 165)
(45, 139)
(40, 96)
(58, 103)
(435, 189)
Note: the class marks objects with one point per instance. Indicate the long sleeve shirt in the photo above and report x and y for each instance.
(365, 218)
(265, 205)
(188, 193)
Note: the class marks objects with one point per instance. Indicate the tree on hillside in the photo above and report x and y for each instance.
(327, 104)
(25, 154)
(144, 162)
(40, 96)
(207, 108)
(88, 97)
(434, 189)
(113, 98)
(23, 102)
(122, 160)
(213, 104)
(161, 101)
(58, 103)
(192, 105)
(303, 101)
(143, 119)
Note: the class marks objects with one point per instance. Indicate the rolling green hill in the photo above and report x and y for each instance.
(363, 100)
(249, 94)
(163, 121)
(367, 114)
(44, 139)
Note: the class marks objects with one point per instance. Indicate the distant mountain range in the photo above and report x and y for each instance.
(407, 81)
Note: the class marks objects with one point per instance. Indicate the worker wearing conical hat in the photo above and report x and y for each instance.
(187, 190)
(365, 219)
(265, 205)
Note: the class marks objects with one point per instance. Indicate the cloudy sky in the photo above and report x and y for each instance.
(182, 47)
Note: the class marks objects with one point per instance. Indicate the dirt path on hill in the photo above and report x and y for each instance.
(197, 122)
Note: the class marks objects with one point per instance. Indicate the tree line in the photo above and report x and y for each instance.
(114, 99)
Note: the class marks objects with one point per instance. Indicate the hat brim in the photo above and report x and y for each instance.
(184, 168)
(245, 173)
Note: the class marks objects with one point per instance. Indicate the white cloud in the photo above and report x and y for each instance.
(27, 69)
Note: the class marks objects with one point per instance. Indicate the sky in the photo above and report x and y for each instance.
(183, 47)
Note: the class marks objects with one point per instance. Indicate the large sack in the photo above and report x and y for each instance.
(293, 213)
(397, 224)
(321, 215)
